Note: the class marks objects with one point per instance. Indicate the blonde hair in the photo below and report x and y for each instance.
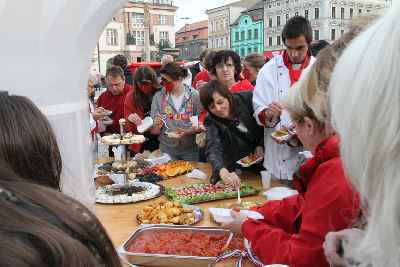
(364, 99)
(254, 60)
(309, 96)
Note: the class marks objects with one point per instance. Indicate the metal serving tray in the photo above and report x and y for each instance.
(163, 260)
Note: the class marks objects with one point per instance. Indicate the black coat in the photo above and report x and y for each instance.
(226, 143)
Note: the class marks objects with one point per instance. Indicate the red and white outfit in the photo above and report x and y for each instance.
(293, 229)
(273, 83)
(115, 103)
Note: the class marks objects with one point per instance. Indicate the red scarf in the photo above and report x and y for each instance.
(295, 74)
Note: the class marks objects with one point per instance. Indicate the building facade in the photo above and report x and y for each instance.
(126, 33)
(192, 39)
(329, 18)
(247, 32)
(219, 21)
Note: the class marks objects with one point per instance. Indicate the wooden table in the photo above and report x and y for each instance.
(120, 220)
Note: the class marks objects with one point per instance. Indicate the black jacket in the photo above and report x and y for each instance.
(226, 143)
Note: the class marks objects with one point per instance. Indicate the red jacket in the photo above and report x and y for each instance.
(294, 228)
(201, 76)
(115, 103)
(242, 85)
(129, 108)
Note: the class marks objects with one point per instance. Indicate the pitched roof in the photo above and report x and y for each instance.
(193, 26)
(256, 12)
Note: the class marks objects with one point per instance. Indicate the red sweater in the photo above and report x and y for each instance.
(130, 108)
(115, 103)
(242, 85)
(294, 228)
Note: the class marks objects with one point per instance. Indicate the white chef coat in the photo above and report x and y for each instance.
(273, 84)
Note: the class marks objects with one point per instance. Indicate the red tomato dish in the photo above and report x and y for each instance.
(188, 243)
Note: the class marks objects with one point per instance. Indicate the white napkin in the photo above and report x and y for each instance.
(118, 152)
(221, 215)
(278, 193)
(197, 174)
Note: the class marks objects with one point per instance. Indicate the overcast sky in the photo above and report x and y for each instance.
(195, 10)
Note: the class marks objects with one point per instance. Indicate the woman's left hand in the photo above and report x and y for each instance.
(235, 225)
(259, 152)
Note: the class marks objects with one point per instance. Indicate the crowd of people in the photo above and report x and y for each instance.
(342, 106)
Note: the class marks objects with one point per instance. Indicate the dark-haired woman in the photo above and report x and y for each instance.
(232, 132)
(227, 68)
(27, 141)
(138, 106)
(42, 227)
(172, 109)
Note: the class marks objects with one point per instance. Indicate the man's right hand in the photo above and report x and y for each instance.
(135, 119)
(274, 110)
(230, 178)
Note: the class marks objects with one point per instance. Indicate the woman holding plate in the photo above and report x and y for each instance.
(138, 106)
(231, 130)
(174, 110)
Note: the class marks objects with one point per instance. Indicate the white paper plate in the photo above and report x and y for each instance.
(146, 124)
(278, 193)
(244, 165)
(152, 191)
(221, 215)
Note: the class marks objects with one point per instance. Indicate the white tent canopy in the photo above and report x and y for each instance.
(45, 56)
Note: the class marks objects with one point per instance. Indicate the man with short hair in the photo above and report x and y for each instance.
(114, 98)
(273, 83)
(122, 61)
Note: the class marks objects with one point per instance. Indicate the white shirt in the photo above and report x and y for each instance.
(273, 84)
(178, 100)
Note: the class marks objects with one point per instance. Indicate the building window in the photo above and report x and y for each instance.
(164, 38)
(137, 20)
(242, 35)
(212, 43)
(333, 34)
(225, 24)
(136, 38)
(216, 42)
(236, 36)
(249, 50)
(342, 13)
(306, 14)
(286, 17)
(112, 37)
(351, 13)
(163, 19)
(227, 41)
(341, 32)
(223, 44)
(278, 40)
(249, 33)
(316, 13)
(333, 12)
(270, 22)
(278, 20)
(359, 11)
(242, 52)
(296, 13)
(256, 34)
(269, 41)
(316, 35)
(256, 49)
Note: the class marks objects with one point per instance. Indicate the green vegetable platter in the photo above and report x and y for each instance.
(198, 193)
